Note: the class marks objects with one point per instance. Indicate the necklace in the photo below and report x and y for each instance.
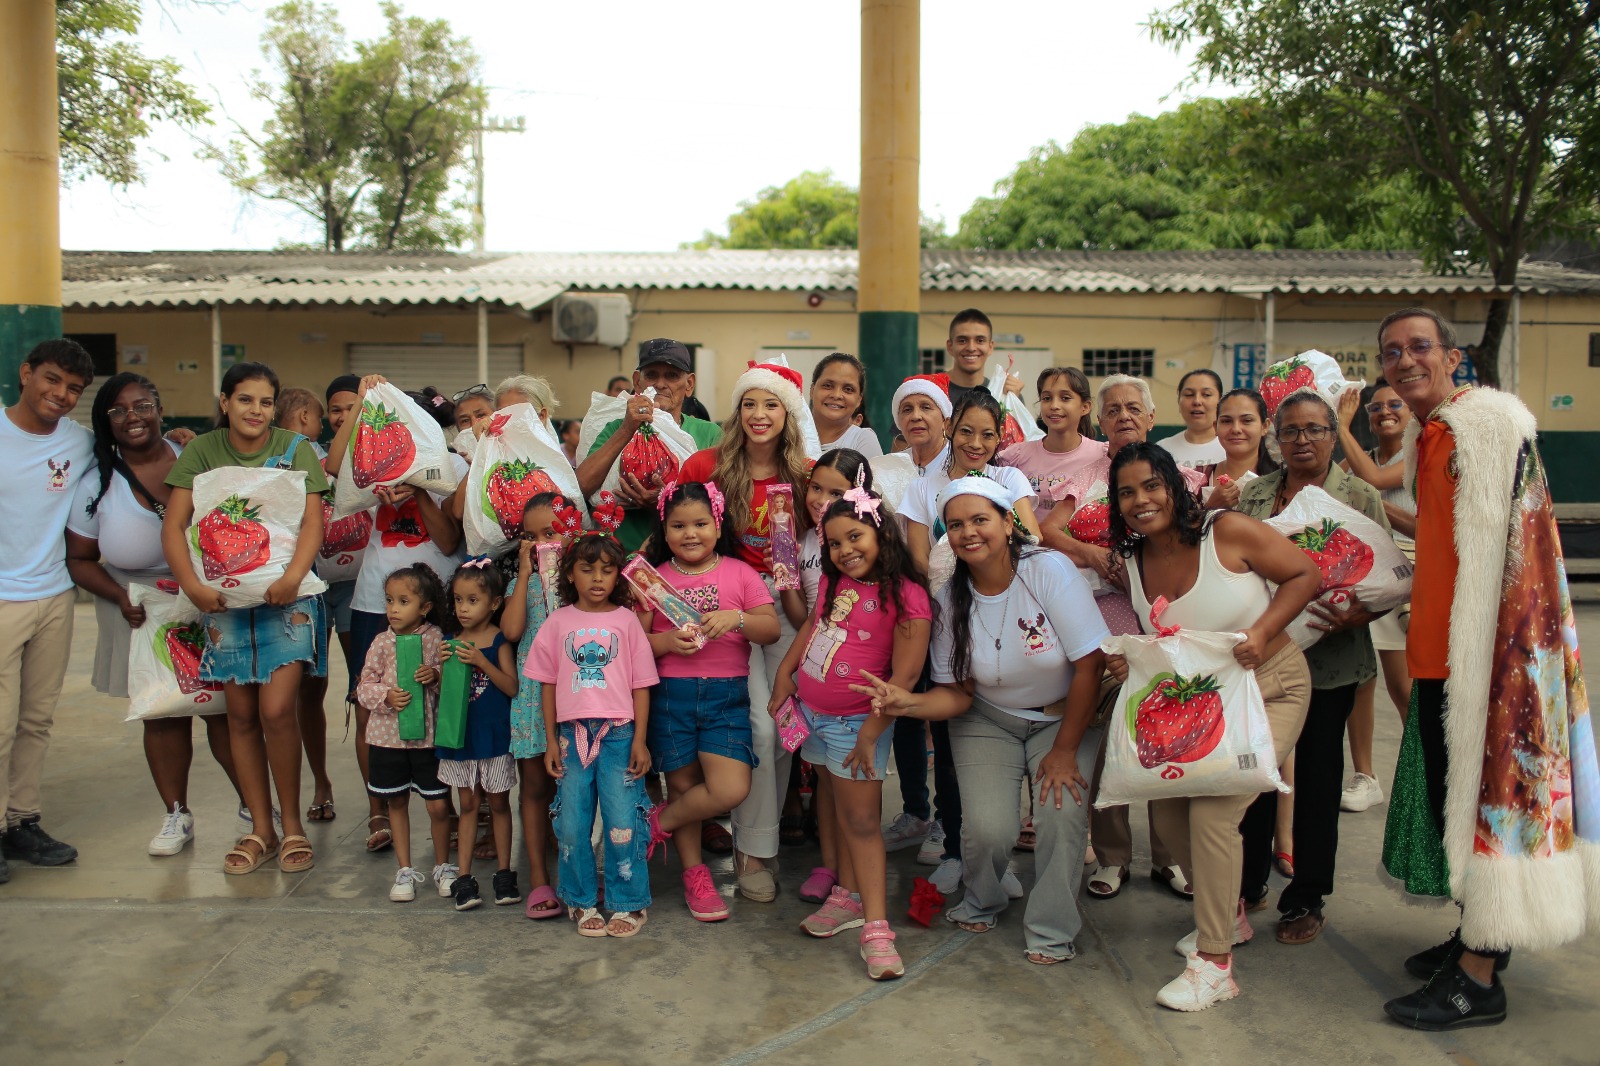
(693, 573)
(994, 634)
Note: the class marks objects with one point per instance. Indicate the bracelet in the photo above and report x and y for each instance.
(741, 621)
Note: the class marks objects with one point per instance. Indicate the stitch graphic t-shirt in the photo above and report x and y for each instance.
(731, 585)
(854, 632)
(595, 659)
(43, 474)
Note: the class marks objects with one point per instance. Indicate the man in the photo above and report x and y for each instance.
(664, 366)
(1494, 802)
(617, 385)
(969, 347)
(48, 459)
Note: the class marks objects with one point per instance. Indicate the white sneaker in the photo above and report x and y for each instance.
(1012, 886)
(904, 832)
(444, 875)
(932, 851)
(1242, 932)
(1202, 984)
(405, 885)
(248, 826)
(1362, 792)
(947, 878)
(177, 829)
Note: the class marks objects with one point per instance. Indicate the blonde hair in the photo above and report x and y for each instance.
(536, 391)
(732, 472)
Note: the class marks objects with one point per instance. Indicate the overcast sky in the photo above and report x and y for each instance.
(649, 122)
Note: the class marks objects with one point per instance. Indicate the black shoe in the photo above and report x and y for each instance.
(505, 888)
(5, 871)
(31, 844)
(1424, 964)
(465, 892)
(1452, 1000)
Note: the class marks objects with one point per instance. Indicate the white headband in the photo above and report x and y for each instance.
(976, 485)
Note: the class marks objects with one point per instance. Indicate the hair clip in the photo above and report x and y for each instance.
(667, 489)
(437, 401)
(864, 500)
(719, 506)
(606, 515)
(478, 562)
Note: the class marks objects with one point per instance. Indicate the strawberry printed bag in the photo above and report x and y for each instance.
(246, 525)
(513, 462)
(652, 455)
(343, 541)
(164, 659)
(1019, 422)
(394, 441)
(1310, 369)
(1189, 721)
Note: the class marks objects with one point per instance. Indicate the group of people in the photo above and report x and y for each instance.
(951, 592)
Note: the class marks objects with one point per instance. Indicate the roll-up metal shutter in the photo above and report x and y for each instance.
(447, 367)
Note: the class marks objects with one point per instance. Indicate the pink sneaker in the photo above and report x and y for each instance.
(877, 950)
(700, 895)
(817, 887)
(837, 914)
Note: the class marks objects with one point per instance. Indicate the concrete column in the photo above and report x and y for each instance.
(890, 271)
(483, 344)
(30, 183)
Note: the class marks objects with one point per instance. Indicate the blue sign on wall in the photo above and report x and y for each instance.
(1249, 363)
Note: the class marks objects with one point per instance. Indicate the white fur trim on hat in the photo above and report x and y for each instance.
(759, 377)
(920, 387)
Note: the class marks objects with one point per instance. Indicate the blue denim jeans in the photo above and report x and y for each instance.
(624, 815)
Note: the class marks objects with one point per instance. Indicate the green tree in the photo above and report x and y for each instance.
(1490, 109)
(814, 210)
(110, 91)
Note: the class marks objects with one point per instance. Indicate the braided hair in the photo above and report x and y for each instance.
(106, 455)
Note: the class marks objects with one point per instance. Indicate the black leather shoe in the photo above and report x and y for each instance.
(32, 844)
(1452, 1000)
(1424, 964)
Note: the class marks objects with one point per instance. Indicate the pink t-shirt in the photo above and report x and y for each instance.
(731, 585)
(1046, 470)
(595, 659)
(853, 633)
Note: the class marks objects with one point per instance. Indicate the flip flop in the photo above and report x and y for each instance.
(1283, 862)
(321, 812)
(296, 845)
(537, 899)
(253, 862)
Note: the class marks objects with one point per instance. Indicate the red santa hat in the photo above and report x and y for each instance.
(934, 386)
(781, 381)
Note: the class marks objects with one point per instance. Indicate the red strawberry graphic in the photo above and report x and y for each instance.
(1176, 719)
(1011, 433)
(1091, 523)
(348, 534)
(1283, 378)
(382, 447)
(182, 643)
(648, 459)
(230, 540)
(1343, 558)
(509, 487)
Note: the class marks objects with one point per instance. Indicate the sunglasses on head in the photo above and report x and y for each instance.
(476, 390)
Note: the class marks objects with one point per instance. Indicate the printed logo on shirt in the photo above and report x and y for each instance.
(401, 527)
(828, 638)
(1036, 635)
(591, 657)
(703, 599)
(58, 474)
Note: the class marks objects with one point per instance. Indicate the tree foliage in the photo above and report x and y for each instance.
(110, 91)
(368, 142)
(1490, 109)
(814, 210)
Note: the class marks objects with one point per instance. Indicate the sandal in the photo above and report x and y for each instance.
(582, 916)
(1299, 927)
(253, 860)
(715, 839)
(321, 812)
(632, 922)
(968, 927)
(792, 830)
(542, 903)
(1027, 840)
(1283, 862)
(1039, 958)
(1107, 881)
(484, 849)
(378, 839)
(296, 845)
(1171, 878)
(878, 952)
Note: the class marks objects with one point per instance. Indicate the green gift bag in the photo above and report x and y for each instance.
(407, 661)
(455, 691)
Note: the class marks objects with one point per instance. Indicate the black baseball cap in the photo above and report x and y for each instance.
(665, 350)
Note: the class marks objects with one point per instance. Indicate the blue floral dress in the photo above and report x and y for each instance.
(527, 711)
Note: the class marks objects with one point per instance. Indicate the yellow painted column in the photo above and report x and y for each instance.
(889, 292)
(30, 184)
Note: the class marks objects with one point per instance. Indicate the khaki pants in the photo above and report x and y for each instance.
(35, 644)
(1203, 832)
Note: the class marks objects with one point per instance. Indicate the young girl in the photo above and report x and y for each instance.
(838, 396)
(1065, 401)
(414, 602)
(699, 729)
(1242, 429)
(873, 618)
(257, 653)
(1197, 445)
(525, 611)
(974, 437)
(482, 767)
(593, 661)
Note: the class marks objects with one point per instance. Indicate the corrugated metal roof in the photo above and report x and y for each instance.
(528, 280)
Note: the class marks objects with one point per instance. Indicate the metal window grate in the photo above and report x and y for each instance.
(1103, 362)
(932, 361)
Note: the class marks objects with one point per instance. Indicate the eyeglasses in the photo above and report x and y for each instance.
(476, 390)
(1417, 349)
(144, 409)
(1379, 408)
(1310, 433)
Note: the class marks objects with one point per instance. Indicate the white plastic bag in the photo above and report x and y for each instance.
(394, 441)
(245, 529)
(1189, 721)
(652, 455)
(1355, 555)
(343, 541)
(1310, 369)
(463, 444)
(892, 475)
(514, 462)
(1019, 421)
(164, 659)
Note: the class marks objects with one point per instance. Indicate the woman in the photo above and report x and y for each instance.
(124, 510)
(1198, 394)
(1215, 571)
(921, 412)
(838, 397)
(761, 446)
(525, 388)
(1340, 662)
(1017, 708)
(1242, 429)
(570, 429)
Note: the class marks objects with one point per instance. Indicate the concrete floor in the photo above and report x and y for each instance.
(125, 958)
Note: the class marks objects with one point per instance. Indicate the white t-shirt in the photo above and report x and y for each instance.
(1192, 455)
(132, 532)
(37, 496)
(810, 568)
(857, 438)
(1044, 621)
(922, 498)
(400, 528)
(1244, 479)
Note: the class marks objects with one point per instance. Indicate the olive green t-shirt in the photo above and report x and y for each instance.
(212, 450)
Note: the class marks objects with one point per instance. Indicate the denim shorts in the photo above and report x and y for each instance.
(246, 644)
(833, 736)
(689, 715)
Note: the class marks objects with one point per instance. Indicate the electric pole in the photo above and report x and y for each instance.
(488, 124)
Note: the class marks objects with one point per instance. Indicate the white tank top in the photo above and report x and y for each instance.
(1221, 601)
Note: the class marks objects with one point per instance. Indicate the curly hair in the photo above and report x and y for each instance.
(731, 471)
(594, 548)
(655, 549)
(961, 605)
(1188, 516)
(106, 454)
(982, 400)
(895, 566)
(426, 584)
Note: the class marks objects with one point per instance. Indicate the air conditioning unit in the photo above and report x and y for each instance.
(591, 318)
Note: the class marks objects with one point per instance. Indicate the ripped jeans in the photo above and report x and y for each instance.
(625, 827)
(246, 644)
